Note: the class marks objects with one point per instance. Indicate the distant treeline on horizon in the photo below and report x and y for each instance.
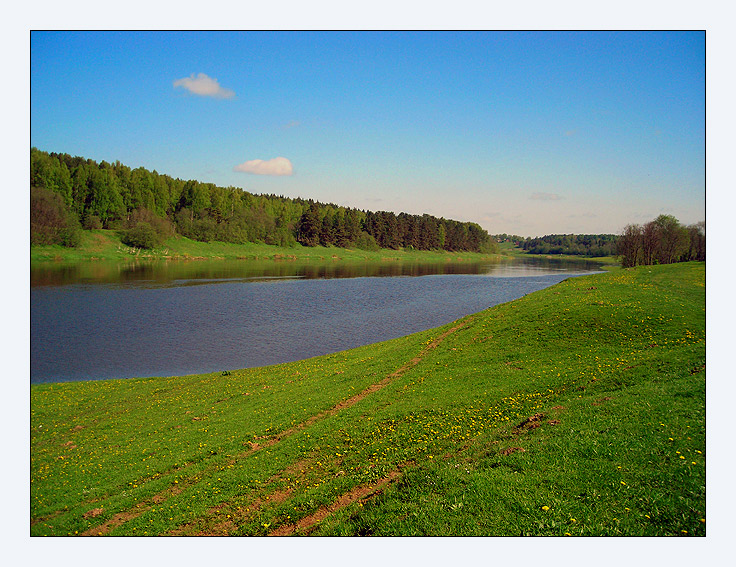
(69, 193)
(661, 241)
(596, 245)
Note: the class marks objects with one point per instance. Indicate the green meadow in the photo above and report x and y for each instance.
(578, 410)
(106, 245)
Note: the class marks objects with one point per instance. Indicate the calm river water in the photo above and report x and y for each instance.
(96, 321)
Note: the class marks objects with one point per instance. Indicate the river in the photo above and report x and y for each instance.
(94, 321)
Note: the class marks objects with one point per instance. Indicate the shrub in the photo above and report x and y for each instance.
(163, 226)
(366, 242)
(142, 235)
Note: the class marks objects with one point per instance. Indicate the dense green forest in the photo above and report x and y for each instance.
(69, 194)
(596, 245)
(661, 241)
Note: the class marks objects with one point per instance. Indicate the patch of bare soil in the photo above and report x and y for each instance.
(531, 422)
(92, 513)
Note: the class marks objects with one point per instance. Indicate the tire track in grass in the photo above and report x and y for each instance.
(228, 525)
(373, 388)
(306, 524)
(127, 515)
(222, 529)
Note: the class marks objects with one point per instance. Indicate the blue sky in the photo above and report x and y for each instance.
(528, 133)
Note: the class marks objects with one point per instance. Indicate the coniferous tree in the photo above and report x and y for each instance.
(309, 227)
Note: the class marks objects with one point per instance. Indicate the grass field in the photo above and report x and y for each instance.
(106, 245)
(578, 410)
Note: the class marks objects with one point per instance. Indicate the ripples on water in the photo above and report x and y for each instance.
(163, 326)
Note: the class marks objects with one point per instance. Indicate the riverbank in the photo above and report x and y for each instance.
(106, 245)
(576, 410)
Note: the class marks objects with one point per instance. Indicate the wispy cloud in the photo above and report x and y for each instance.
(202, 85)
(291, 124)
(545, 197)
(275, 166)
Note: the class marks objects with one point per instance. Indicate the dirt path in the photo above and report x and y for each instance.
(373, 388)
(357, 493)
(142, 507)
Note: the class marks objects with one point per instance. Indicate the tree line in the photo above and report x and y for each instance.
(595, 245)
(70, 193)
(661, 241)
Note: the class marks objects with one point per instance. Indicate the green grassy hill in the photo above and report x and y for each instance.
(576, 410)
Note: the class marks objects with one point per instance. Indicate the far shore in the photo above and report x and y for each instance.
(101, 245)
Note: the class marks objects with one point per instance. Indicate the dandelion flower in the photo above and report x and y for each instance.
(545, 508)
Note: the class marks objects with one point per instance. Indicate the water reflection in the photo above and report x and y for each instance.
(167, 273)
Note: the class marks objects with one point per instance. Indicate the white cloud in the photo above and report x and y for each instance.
(203, 85)
(275, 166)
(545, 197)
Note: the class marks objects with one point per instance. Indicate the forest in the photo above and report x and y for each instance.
(69, 194)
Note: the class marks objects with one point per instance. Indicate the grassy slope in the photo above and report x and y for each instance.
(106, 245)
(611, 367)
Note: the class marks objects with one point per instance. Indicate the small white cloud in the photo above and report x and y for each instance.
(545, 197)
(275, 166)
(203, 85)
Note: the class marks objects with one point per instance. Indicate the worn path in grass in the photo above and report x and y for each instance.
(159, 498)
